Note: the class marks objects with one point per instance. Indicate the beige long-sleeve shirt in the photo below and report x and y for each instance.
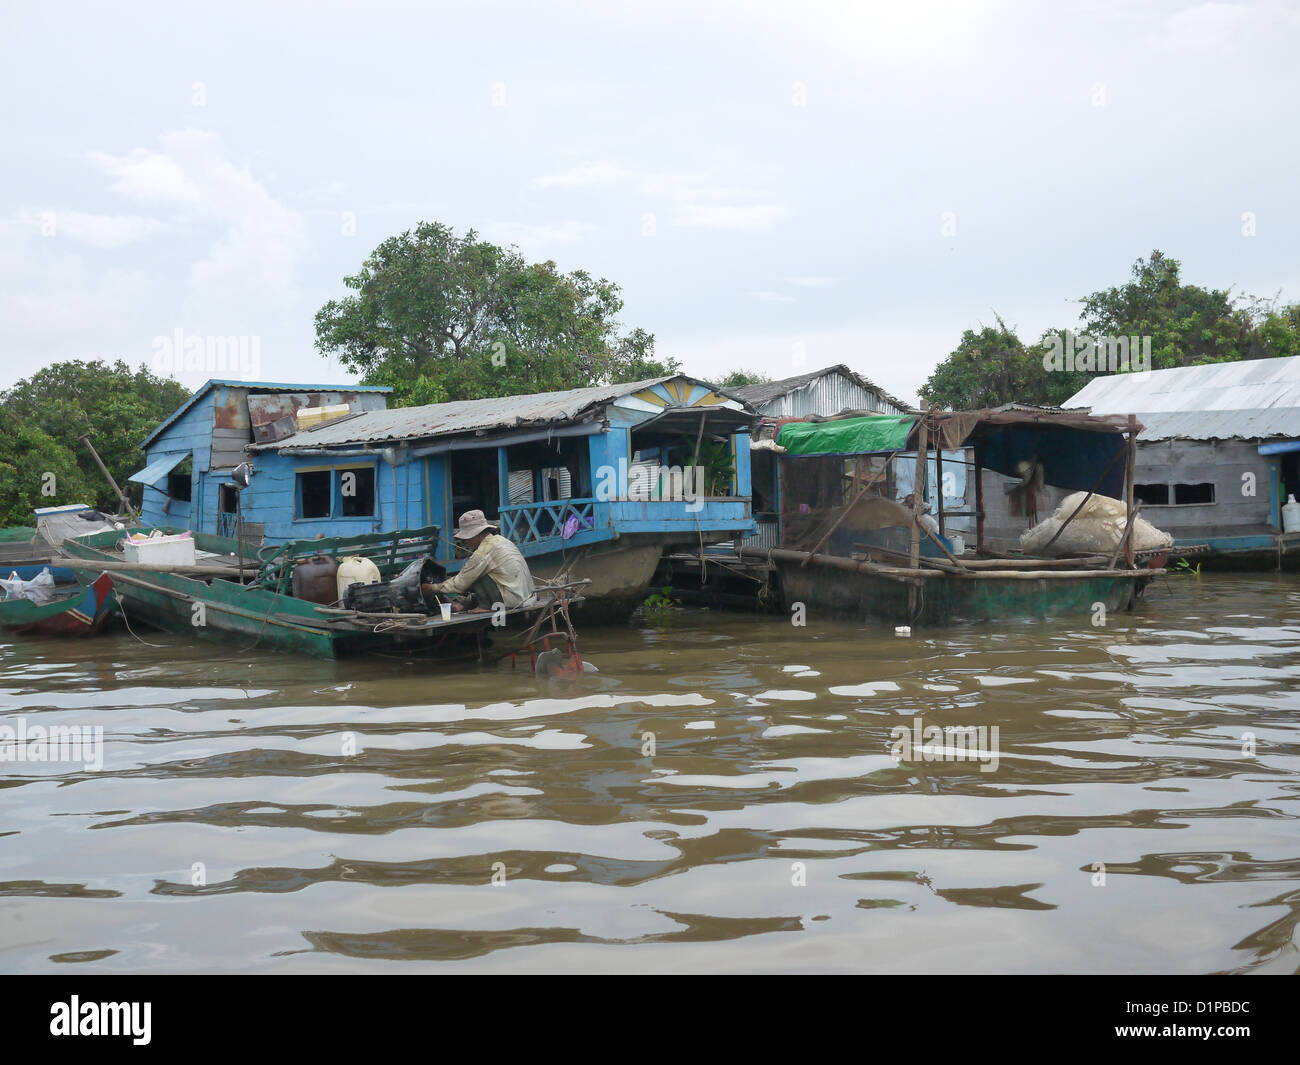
(498, 558)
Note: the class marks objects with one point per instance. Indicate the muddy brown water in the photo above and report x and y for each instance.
(722, 796)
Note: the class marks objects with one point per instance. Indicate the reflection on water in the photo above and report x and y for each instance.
(721, 796)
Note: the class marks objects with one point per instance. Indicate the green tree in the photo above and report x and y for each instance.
(439, 316)
(993, 366)
(741, 378)
(1188, 324)
(114, 405)
(37, 471)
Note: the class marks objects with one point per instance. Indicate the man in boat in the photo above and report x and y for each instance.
(495, 571)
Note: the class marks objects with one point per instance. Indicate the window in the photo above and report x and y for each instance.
(179, 481)
(357, 492)
(227, 499)
(313, 494)
(1191, 494)
(1152, 495)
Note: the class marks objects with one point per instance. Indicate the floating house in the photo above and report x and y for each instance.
(825, 393)
(849, 548)
(190, 456)
(1218, 455)
(593, 481)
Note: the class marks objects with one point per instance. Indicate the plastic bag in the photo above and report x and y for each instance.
(39, 590)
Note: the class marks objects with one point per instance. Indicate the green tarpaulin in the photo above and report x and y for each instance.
(847, 436)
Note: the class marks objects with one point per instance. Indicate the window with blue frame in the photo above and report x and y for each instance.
(336, 492)
(313, 494)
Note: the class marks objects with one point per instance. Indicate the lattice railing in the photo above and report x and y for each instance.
(531, 523)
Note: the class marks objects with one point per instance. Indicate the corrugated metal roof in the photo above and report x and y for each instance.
(1221, 424)
(467, 416)
(763, 395)
(252, 386)
(1255, 384)
(1252, 388)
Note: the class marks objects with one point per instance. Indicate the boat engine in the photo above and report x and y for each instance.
(404, 594)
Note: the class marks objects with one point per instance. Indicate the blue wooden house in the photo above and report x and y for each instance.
(596, 480)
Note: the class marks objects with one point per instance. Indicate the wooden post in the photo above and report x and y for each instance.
(979, 499)
(126, 503)
(938, 477)
(1130, 476)
(918, 481)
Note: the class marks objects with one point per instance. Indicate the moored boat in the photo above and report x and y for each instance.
(233, 595)
(81, 611)
(856, 541)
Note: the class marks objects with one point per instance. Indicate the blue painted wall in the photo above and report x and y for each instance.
(418, 492)
(190, 433)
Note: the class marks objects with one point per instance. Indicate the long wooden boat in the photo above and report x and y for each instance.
(872, 591)
(81, 613)
(211, 601)
(850, 549)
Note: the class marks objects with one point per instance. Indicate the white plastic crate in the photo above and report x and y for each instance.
(160, 551)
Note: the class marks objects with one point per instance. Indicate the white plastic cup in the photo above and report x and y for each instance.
(446, 611)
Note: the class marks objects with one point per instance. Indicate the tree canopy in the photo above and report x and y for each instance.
(1187, 325)
(437, 316)
(116, 406)
(741, 378)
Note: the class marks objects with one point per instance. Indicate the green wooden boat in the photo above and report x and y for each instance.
(210, 601)
(81, 611)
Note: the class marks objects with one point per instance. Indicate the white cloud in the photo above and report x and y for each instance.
(757, 216)
(534, 240)
(1219, 27)
(148, 176)
(898, 358)
(582, 175)
(54, 304)
(812, 282)
(772, 297)
(695, 203)
(97, 230)
(258, 242)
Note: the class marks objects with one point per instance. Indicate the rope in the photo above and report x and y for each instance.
(121, 605)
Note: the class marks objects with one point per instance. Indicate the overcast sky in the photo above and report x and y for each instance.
(775, 186)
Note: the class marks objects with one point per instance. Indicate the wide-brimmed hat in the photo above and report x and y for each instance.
(472, 522)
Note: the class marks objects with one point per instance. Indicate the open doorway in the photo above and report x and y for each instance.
(474, 483)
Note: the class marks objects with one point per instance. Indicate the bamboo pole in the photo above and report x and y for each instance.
(898, 573)
(1128, 533)
(916, 576)
(130, 510)
(109, 566)
(979, 498)
(940, 545)
(854, 502)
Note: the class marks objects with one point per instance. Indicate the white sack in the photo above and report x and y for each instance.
(1097, 530)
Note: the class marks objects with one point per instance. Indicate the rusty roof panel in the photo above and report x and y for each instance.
(467, 416)
(274, 416)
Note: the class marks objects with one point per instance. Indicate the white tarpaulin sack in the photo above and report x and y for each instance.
(39, 590)
(1096, 530)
